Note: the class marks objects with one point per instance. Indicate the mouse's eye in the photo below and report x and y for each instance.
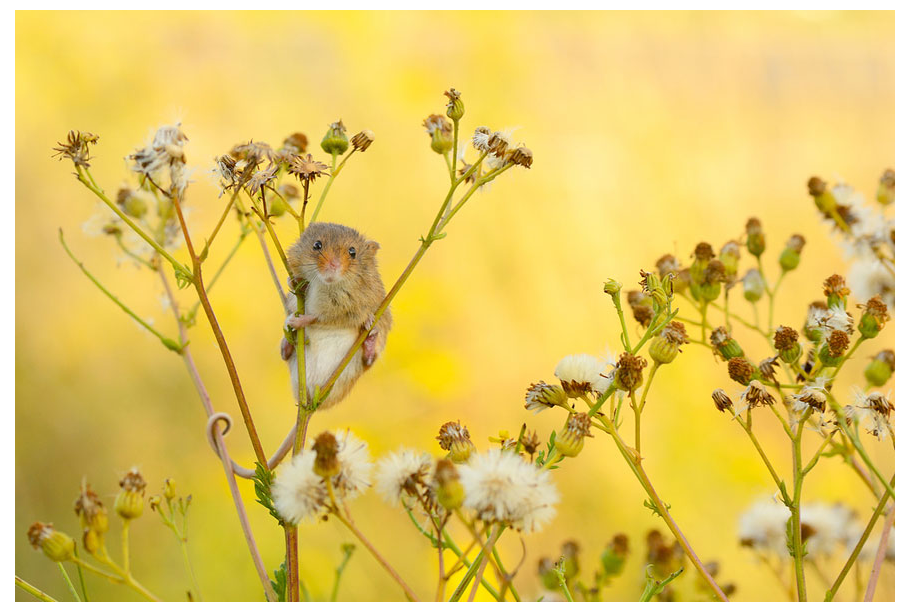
(318, 246)
(351, 251)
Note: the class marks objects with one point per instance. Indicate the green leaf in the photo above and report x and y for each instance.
(262, 487)
(280, 584)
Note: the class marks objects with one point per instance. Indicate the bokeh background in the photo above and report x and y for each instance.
(651, 131)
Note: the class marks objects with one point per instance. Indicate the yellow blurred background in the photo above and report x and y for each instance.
(651, 131)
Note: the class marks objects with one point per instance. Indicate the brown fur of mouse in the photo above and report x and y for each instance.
(342, 295)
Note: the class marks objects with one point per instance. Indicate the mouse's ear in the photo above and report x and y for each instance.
(373, 246)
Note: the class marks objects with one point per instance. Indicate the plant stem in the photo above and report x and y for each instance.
(225, 459)
(291, 563)
(795, 508)
(34, 591)
(831, 593)
(881, 555)
(69, 583)
(473, 568)
(198, 595)
(662, 510)
(220, 338)
(125, 545)
(486, 551)
(625, 337)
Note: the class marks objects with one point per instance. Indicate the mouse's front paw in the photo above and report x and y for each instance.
(296, 321)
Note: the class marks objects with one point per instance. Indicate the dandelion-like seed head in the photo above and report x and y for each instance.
(502, 487)
(306, 168)
(297, 492)
(762, 527)
(813, 397)
(480, 139)
(403, 474)
(768, 367)
(521, 156)
(581, 374)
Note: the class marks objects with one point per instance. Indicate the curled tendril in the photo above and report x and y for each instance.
(212, 427)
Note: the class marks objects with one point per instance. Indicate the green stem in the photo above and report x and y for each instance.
(69, 583)
(198, 595)
(795, 507)
(509, 579)
(848, 355)
(90, 184)
(831, 593)
(625, 337)
(34, 591)
(473, 568)
(168, 342)
(332, 177)
(562, 582)
(125, 545)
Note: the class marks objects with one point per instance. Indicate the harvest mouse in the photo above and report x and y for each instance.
(344, 290)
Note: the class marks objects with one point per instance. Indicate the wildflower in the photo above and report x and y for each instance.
(56, 545)
(297, 492)
(872, 413)
(450, 492)
(503, 487)
(363, 140)
(754, 285)
(326, 463)
(581, 374)
(874, 317)
(823, 321)
(755, 395)
(541, 396)
(306, 169)
(836, 345)
(262, 179)
(869, 278)
(335, 141)
(76, 148)
(724, 344)
(569, 441)
(886, 189)
(741, 370)
(454, 438)
(628, 374)
(441, 132)
(129, 502)
(762, 527)
(729, 255)
(529, 442)
(165, 151)
(721, 400)
(170, 489)
(786, 343)
(455, 106)
(521, 156)
(791, 255)
(354, 459)
(403, 474)
(835, 290)
(666, 346)
(296, 143)
(812, 396)
(881, 368)
(756, 240)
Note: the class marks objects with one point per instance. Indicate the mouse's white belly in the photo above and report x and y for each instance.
(325, 349)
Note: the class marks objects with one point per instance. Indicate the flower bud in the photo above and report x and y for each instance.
(326, 463)
(724, 344)
(823, 197)
(56, 545)
(335, 141)
(455, 438)
(881, 368)
(131, 203)
(786, 343)
(873, 318)
(754, 285)
(129, 502)
(791, 255)
(455, 107)
(612, 287)
(91, 511)
(547, 575)
(450, 493)
(756, 240)
(362, 141)
(542, 396)
(703, 253)
(742, 371)
(441, 132)
(170, 489)
(614, 555)
(92, 541)
(665, 346)
(729, 255)
(886, 190)
(155, 502)
(628, 376)
(570, 554)
(569, 441)
(836, 290)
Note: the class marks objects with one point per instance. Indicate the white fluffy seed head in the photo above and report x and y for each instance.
(501, 486)
(402, 474)
(354, 458)
(297, 492)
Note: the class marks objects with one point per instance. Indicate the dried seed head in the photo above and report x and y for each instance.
(838, 343)
(816, 186)
(721, 400)
(836, 290)
(76, 147)
(666, 346)
(756, 395)
(873, 318)
(714, 273)
(129, 502)
(642, 313)
(785, 338)
(480, 138)
(888, 357)
(569, 441)
(530, 443)
(91, 511)
(542, 396)
(768, 368)
(326, 463)
(362, 141)
(306, 169)
(756, 241)
(296, 143)
(704, 252)
(740, 370)
(441, 131)
(809, 397)
(455, 438)
(796, 243)
(498, 144)
(666, 264)
(628, 374)
(521, 156)
(880, 404)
